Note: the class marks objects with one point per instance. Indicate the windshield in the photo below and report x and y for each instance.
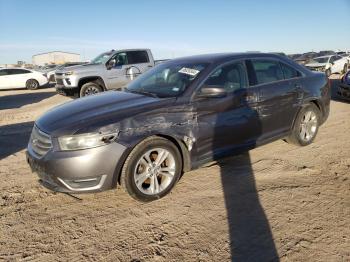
(167, 80)
(321, 60)
(102, 58)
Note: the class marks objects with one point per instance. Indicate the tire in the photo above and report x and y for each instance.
(328, 72)
(32, 84)
(345, 69)
(140, 176)
(306, 126)
(89, 89)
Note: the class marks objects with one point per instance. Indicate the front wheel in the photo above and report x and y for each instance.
(328, 72)
(89, 89)
(32, 84)
(345, 69)
(306, 126)
(152, 169)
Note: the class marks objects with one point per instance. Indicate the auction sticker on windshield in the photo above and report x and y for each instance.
(189, 71)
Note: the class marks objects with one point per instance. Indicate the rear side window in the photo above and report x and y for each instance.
(267, 71)
(230, 77)
(289, 72)
(137, 57)
(18, 71)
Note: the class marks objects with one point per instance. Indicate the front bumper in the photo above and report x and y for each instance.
(344, 91)
(81, 171)
(317, 69)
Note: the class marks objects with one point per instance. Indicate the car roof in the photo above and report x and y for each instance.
(223, 57)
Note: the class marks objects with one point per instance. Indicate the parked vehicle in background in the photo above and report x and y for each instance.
(294, 56)
(50, 74)
(20, 78)
(305, 58)
(326, 52)
(329, 64)
(110, 70)
(344, 86)
(176, 117)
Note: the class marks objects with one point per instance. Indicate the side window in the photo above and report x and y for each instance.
(267, 71)
(332, 59)
(19, 71)
(289, 72)
(3, 73)
(337, 58)
(121, 59)
(231, 77)
(137, 57)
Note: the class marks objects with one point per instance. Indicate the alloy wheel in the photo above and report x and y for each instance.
(308, 126)
(91, 90)
(155, 171)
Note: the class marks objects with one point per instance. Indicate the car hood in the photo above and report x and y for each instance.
(91, 113)
(81, 68)
(316, 64)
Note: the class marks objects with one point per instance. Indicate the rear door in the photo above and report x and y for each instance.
(227, 123)
(20, 77)
(280, 94)
(138, 63)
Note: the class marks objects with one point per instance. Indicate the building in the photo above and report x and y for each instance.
(55, 57)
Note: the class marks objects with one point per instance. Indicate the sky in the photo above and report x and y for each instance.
(171, 28)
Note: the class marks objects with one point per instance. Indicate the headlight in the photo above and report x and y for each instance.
(84, 141)
(69, 73)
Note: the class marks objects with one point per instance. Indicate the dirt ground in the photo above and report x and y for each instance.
(276, 201)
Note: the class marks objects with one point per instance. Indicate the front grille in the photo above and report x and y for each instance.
(59, 81)
(40, 142)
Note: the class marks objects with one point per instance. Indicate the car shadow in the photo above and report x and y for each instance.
(250, 233)
(14, 138)
(19, 100)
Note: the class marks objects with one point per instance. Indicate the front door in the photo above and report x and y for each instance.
(230, 122)
(117, 75)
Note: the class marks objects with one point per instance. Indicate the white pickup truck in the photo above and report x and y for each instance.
(110, 70)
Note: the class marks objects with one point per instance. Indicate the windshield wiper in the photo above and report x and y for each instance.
(142, 92)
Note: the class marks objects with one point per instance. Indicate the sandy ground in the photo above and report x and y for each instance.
(276, 201)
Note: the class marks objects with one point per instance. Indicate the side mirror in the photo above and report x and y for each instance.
(212, 92)
(111, 63)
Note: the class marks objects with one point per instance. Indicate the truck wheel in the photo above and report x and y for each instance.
(90, 88)
(305, 126)
(32, 84)
(152, 169)
(328, 72)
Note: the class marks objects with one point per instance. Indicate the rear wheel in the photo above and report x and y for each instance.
(32, 84)
(328, 72)
(152, 169)
(306, 126)
(90, 88)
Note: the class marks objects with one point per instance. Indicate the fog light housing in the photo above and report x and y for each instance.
(83, 184)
